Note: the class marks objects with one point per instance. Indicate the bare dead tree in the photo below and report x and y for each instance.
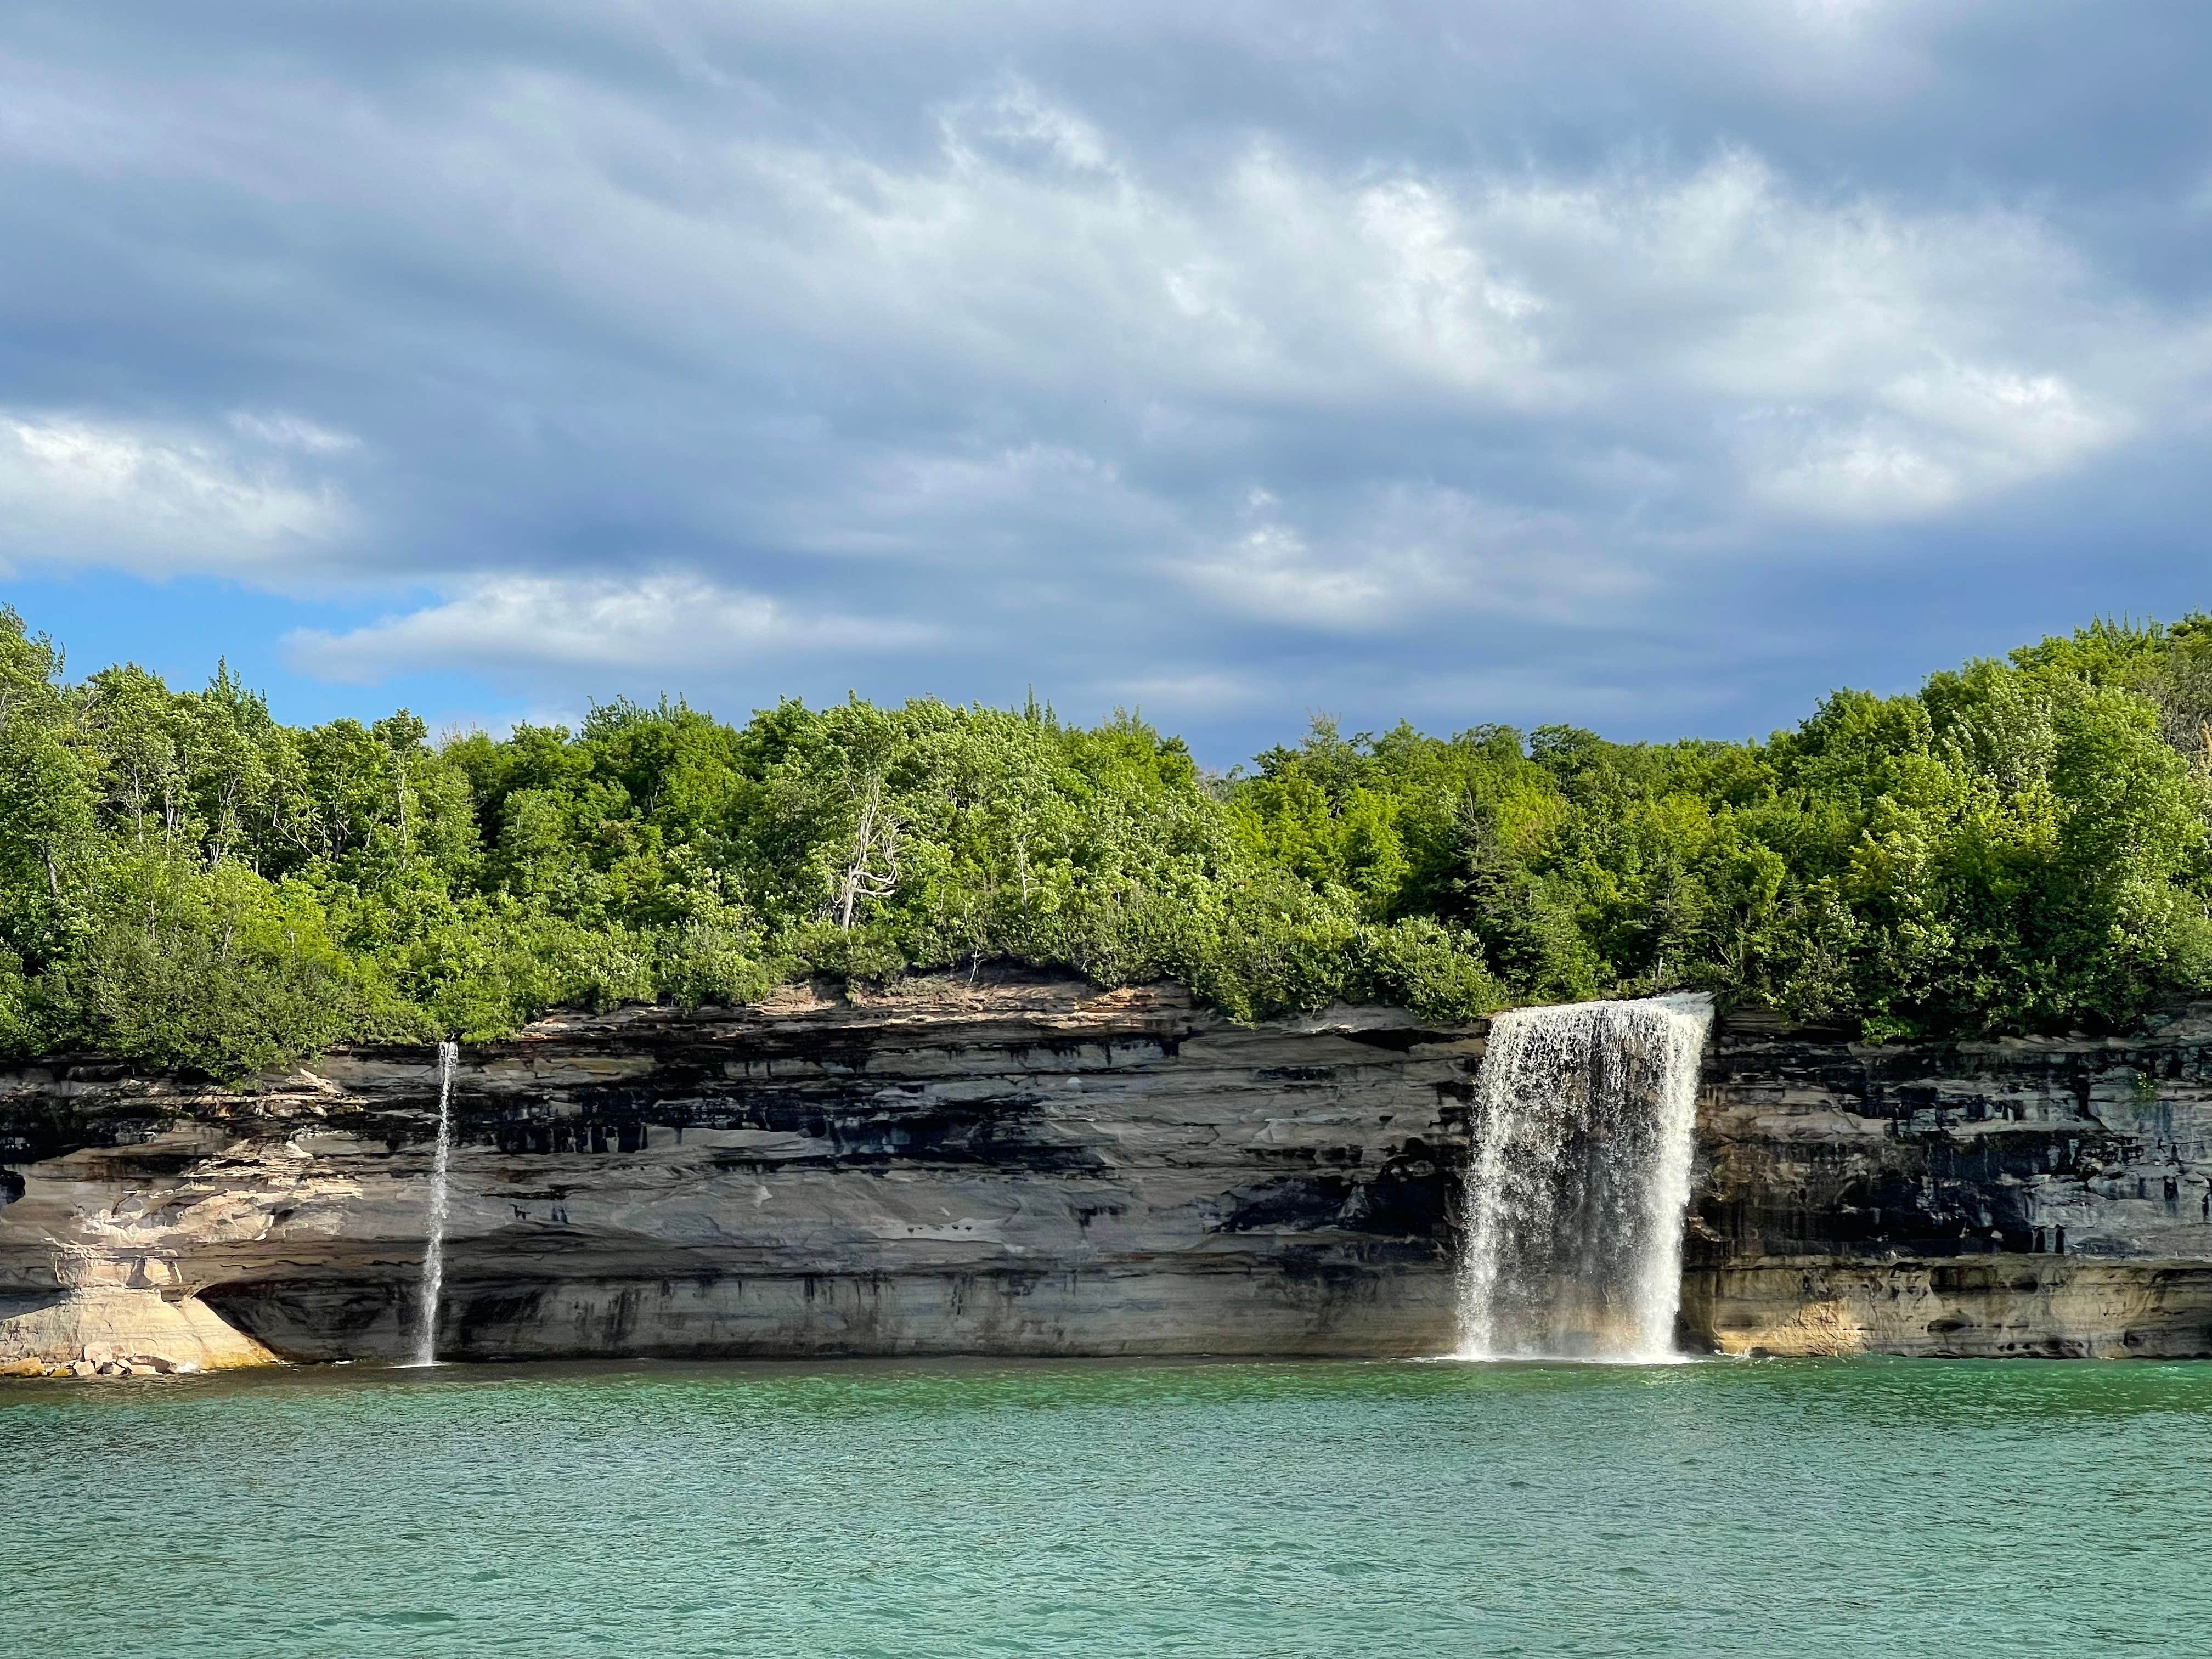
(873, 870)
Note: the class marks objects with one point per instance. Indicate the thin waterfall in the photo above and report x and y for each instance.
(1585, 1122)
(434, 1253)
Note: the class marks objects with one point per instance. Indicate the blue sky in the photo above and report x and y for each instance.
(1655, 366)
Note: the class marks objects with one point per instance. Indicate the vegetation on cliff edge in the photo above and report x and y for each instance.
(2020, 846)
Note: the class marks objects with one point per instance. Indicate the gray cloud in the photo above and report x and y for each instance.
(1475, 363)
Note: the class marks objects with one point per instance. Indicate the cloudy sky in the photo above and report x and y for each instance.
(1653, 365)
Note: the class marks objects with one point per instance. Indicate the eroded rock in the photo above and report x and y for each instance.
(2017, 1197)
(1010, 1163)
(1023, 1164)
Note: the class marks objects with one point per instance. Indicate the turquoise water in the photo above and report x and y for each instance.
(1770, 1508)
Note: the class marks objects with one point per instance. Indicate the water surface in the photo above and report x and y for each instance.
(1766, 1507)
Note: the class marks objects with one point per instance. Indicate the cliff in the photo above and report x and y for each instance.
(2016, 1197)
(1022, 1164)
(1012, 1164)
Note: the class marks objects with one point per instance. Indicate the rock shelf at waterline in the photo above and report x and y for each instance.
(1585, 1125)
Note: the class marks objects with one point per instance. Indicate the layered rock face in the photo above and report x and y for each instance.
(2025, 1196)
(1015, 1164)
(1019, 1163)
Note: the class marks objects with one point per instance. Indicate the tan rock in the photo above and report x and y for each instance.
(1822, 1329)
(98, 1327)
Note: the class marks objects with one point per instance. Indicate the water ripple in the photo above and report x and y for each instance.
(976, 1508)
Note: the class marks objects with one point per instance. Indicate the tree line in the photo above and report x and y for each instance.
(186, 881)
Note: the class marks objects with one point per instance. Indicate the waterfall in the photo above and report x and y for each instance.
(434, 1252)
(1585, 1120)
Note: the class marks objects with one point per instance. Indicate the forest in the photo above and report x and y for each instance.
(2020, 846)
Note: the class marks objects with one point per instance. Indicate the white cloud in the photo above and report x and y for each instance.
(1273, 572)
(1650, 304)
(1865, 473)
(1194, 688)
(670, 622)
(1402, 558)
(1039, 313)
(1931, 440)
(159, 502)
(995, 338)
(1020, 117)
(280, 431)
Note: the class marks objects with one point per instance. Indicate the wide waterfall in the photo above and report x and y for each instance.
(434, 1252)
(1585, 1117)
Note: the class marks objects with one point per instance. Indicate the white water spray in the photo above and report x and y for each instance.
(1585, 1122)
(434, 1253)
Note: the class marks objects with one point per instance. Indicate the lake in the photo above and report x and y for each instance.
(957, 1508)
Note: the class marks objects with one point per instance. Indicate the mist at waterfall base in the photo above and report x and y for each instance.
(1753, 1508)
(1584, 1128)
(433, 1230)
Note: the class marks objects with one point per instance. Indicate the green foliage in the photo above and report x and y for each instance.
(1419, 963)
(2020, 846)
(214, 968)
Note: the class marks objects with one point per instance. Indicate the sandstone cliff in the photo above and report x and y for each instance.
(1023, 1164)
(2021, 1196)
(1014, 1163)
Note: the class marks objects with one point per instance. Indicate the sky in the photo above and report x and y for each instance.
(1655, 366)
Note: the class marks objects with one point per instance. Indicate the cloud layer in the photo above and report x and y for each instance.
(618, 627)
(1467, 363)
(104, 493)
